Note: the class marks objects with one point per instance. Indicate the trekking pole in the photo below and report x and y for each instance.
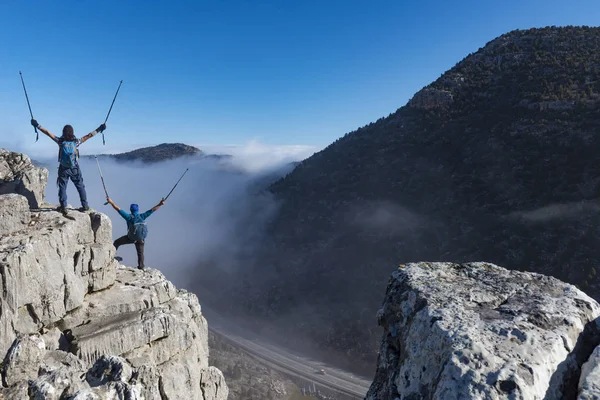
(101, 177)
(110, 109)
(186, 170)
(37, 135)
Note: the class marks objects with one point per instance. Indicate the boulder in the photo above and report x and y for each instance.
(19, 175)
(479, 331)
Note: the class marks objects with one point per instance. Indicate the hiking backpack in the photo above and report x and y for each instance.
(67, 156)
(139, 230)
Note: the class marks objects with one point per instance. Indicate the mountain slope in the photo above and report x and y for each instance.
(496, 161)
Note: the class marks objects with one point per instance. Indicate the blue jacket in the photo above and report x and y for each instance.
(130, 217)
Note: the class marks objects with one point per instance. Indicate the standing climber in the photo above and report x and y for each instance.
(136, 228)
(68, 168)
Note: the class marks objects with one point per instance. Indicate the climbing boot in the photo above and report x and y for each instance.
(62, 210)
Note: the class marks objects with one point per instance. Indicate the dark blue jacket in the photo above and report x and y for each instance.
(131, 217)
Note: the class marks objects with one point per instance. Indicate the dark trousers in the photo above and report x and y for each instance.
(74, 174)
(139, 247)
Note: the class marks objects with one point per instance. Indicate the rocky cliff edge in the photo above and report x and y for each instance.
(74, 324)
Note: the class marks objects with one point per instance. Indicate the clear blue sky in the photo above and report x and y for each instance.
(225, 72)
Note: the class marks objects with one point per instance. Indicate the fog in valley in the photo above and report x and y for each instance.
(211, 221)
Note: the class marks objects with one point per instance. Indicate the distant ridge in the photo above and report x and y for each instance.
(161, 152)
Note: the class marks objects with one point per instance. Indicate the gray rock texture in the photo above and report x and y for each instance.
(19, 175)
(74, 324)
(48, 268)
(478, 331)
(14, 213)
(589, 383)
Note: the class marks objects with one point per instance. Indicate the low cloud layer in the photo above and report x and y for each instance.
(555, 212)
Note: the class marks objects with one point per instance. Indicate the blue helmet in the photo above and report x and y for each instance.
(134, 208)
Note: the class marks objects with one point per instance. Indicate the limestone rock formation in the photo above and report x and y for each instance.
(589, 383)
(19, 175)
(14, 213)
(74, 324)
(479, 331)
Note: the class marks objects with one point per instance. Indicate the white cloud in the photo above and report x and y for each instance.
(255, 156)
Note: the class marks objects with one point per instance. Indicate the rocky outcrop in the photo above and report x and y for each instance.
(19, 175)
(589, 383)
(74, 324)
(479, 331)
(429, 98)
(140, 337)
(49, 266)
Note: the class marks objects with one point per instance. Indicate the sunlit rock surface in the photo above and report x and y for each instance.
(19, 175)
(478, 331)
(589, 382)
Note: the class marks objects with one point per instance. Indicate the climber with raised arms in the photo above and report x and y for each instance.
(68, 168)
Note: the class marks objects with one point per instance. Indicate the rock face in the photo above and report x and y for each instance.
(14, 213)
(479, 331)
(19, 175)
(76, 325)
(589, 383)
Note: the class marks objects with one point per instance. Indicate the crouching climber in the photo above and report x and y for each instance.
(136, 228)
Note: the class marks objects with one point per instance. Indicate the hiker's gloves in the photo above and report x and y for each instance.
(101, 128)
(34, 123)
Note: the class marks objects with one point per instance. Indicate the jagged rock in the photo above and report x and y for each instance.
(19, 175)
(109, 369)
(15, 392)
(14, 213)
(142, 337)
(428, 98)
(61, 375)
(589, 383)
(479, 331)
(23, 359)
(79, 326)
(48, 268)
(213, 384)
(158, 331)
